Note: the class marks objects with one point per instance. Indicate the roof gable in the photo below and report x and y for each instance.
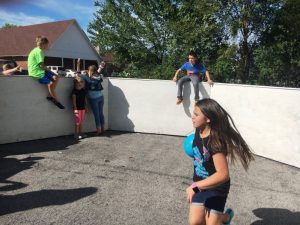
(73, 43)
(18, 41)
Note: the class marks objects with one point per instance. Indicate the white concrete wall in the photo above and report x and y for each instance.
(149, 106)
(25, 114)
(268, 118)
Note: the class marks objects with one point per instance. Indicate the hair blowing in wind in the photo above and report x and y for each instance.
(224, 136)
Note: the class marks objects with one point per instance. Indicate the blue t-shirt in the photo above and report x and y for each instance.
(193, 69)
(93, 86)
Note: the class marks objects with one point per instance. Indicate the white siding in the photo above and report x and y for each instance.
(72, 44)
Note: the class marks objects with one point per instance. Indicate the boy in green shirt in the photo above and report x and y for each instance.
(38, 70)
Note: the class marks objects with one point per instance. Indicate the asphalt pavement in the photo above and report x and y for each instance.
(130, 179)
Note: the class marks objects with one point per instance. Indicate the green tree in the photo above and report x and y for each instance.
(153, 35)
(245, 21)
(8, 25)
(133, 30)
(278, 58)
(226, 64)
(252, 41)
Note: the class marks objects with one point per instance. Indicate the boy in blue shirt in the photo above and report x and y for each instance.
(193, 70)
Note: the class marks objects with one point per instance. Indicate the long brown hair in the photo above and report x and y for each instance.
(224, 136)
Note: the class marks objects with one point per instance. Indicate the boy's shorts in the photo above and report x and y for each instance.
(47, 78)
(213, 201)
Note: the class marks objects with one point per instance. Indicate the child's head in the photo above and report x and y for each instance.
(78, 83)
(6, 67)
(208, 112)
(42, 42)
(199, 119)
(224, 136)
(92, 70)
(192, 57)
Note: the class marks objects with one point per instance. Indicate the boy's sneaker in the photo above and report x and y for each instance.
(77, 137)
(230, 212)
(83, 135)
(58, 104)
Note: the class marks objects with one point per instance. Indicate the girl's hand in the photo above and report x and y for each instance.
(189, 194)
(102, 64)
(19, 68)
(210, 82)
(174, 78)
(75, 111)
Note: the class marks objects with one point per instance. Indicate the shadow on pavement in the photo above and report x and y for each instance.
(275, 216)
(11, 166)
(46, 145)
(41, 145)
(26, 201)
(111, 133)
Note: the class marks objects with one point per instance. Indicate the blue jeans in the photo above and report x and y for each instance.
(97, 108)
(195, 81)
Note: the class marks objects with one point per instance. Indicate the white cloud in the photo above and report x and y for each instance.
(66, 8)
(81, 10)
(21, 19)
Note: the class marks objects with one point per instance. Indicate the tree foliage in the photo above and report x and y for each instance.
(252, 41)
(246, 21)
(278, 58)
(8, 25)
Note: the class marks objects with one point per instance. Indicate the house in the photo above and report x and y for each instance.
(67, 43)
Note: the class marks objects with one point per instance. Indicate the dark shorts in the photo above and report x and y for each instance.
(214, 201)
(47, 78)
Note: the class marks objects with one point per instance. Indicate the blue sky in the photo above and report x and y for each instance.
(27, 12)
